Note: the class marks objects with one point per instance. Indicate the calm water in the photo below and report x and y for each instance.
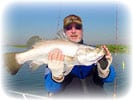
(32, 82)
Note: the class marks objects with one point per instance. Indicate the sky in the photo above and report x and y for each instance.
(24, 20)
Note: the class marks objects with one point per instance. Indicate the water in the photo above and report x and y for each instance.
(26, 80)
(32, 82)
(121, 62)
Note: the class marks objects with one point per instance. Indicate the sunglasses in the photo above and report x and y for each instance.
(77, 26)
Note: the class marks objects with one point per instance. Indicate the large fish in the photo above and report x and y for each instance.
(75, 54)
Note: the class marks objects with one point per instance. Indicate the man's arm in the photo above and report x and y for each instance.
(111, 75)
(54, 75)
(105, 70)
(51, 85)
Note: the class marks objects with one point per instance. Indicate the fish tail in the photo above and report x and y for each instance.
(11, 63)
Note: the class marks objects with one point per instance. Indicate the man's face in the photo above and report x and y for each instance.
(74, 32)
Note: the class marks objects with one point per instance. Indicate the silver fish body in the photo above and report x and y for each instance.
(75, 54)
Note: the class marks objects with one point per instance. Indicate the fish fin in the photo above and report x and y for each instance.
(37, 44)
(61, 35)
(68, 69)
(11, 63)
(34, 65)
(70, 61)
(69, 64)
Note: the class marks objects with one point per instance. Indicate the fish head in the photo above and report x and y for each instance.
(89, 56)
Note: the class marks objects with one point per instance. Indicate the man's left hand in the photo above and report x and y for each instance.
(108, 55)
(104, 64)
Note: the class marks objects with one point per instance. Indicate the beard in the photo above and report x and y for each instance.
(75, 38)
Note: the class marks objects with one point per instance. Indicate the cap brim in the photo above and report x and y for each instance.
(76, 22)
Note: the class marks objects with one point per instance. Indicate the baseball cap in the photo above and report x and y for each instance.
(72, 19)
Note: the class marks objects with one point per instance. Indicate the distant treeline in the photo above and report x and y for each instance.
(19, 46)
(117, 48)
(112, 48)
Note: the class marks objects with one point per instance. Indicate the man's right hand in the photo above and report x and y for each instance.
(56, 64)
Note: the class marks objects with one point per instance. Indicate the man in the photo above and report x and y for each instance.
(80, 79)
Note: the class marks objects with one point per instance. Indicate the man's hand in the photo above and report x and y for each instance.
(108, 54)
(104, 63)
(56, 64)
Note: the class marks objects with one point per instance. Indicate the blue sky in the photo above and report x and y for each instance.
(23, 20)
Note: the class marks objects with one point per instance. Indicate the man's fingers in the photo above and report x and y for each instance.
(50, 55)
(56, 54)
(60, 56)
(108, 57)
(106, 49)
